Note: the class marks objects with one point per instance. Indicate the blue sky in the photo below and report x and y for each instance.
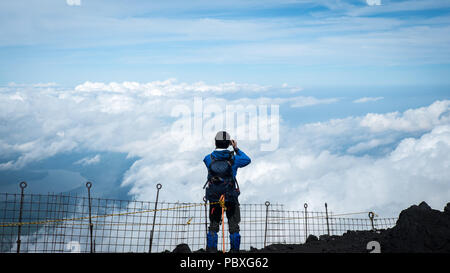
(266, 42)
(86, 93)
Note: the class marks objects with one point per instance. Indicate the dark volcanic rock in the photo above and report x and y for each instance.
(324, 237)
(182, 248)
(311, 238)
(418, 229)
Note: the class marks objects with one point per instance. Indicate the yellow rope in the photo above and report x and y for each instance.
(189, 222)
(98, 216)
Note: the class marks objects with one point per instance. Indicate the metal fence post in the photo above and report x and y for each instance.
(265, 229)
(91, 226)
(306, 221)
(22, 185)
(371, 216)
(158, 187)
(206, 217)
(326, 215)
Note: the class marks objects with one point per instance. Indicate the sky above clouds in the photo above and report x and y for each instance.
(88, 89)
(301, 42)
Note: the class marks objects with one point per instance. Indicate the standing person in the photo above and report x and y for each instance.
(222, 167)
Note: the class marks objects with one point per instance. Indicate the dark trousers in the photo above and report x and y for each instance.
(233, 214)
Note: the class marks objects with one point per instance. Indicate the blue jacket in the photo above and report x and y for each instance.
(240, 159)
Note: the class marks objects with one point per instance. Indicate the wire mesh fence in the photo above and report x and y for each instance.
(55, 223)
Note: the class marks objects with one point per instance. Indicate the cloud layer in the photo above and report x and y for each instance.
(378, 161)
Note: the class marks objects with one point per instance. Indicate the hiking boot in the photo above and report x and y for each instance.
(211, 242)
(235, 242)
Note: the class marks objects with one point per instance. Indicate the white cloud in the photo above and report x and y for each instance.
(115, 104)
(309, 101)
(36, 150)
(17, 96)
(169, 88)
(73, 2)
(401, 6)
(367, 145)
(89, 160)
(373, 2)
(42, 85)
(420, 119)
(367, 99)
(111, 116)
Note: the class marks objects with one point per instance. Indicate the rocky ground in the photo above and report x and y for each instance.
(419, 229)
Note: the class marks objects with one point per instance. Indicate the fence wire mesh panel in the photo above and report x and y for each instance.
(63, 223)
(340, 225)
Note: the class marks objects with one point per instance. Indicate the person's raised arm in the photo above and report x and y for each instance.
(240, 159)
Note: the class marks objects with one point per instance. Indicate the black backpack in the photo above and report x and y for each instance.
(221, 180)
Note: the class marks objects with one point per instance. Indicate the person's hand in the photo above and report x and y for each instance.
(234, 144)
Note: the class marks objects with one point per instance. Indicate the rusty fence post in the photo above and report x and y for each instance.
(265, 229)
(306, 220)
(371, 216)
(326, 215)
(22, 185)
(158, 187)
(91, 226)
